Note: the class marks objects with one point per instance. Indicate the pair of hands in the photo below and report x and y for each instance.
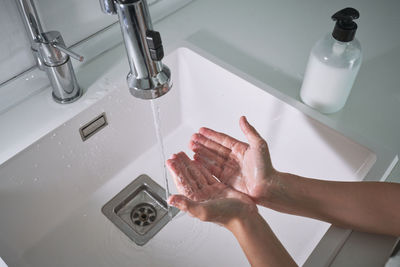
(226, 178)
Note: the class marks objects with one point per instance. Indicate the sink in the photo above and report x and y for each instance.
(52, 192)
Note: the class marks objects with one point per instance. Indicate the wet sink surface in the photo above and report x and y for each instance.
(52, 193)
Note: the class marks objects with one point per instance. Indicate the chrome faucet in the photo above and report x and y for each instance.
(51, 55)
(148, 78)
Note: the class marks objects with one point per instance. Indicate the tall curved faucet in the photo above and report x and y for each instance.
(148, 78)
(51, 55)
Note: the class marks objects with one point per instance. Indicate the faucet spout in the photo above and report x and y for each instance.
(148, 78)
(32, 22)
(33, 27)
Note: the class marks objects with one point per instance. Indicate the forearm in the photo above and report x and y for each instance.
(364, 206)
(261, 246)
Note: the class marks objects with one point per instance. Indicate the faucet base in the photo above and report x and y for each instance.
(68, 100)
(63, 81)
(150, 87)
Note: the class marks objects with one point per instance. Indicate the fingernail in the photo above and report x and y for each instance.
(203, 129)
(170, 163)
(195, 136)
(195, 145)
(171, 201)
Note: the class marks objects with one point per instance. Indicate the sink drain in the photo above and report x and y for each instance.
(143, 214)
(140, 210)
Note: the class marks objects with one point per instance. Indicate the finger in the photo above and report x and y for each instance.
(250, 132)
(209, 164)
(184, 164)
(210, 144)
(206, 152)
(185, 204)
(206, 173)
(197, 178)
(221, 138)
(172, 165)
(181, 176)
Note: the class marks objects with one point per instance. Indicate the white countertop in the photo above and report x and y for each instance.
(271, 40)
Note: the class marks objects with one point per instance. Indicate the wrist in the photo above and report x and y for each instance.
(242, 220)
(275, 189)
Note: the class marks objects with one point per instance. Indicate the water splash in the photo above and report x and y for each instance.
(157, 126)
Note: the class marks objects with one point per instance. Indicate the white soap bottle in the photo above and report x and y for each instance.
(333, 65)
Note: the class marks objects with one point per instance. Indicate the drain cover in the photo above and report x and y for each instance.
(143, 214)
(139, 210)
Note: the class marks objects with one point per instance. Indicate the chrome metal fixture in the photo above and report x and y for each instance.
(140, 210)
(51, 55)
(149, 78)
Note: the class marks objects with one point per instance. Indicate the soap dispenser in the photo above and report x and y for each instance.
(333, 65)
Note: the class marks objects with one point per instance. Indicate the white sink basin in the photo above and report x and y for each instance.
(51, 193)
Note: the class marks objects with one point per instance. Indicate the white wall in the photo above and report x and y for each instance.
(75, 19)
(15, 55)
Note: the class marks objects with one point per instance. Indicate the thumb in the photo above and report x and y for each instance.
(185, 204)
(250, 132)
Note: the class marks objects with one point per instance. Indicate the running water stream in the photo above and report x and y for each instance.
(157, 126)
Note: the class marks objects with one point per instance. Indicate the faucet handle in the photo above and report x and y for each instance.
(67, 51)
(108, 7)
(153, 39)
(53, 51)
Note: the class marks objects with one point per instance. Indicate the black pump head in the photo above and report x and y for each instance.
(345, 28)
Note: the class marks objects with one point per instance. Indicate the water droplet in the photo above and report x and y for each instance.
(59, 143)
(35, 165)
(84, 215)
(63, 156)
(53, 135)
(36, 179)
(69, 166)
